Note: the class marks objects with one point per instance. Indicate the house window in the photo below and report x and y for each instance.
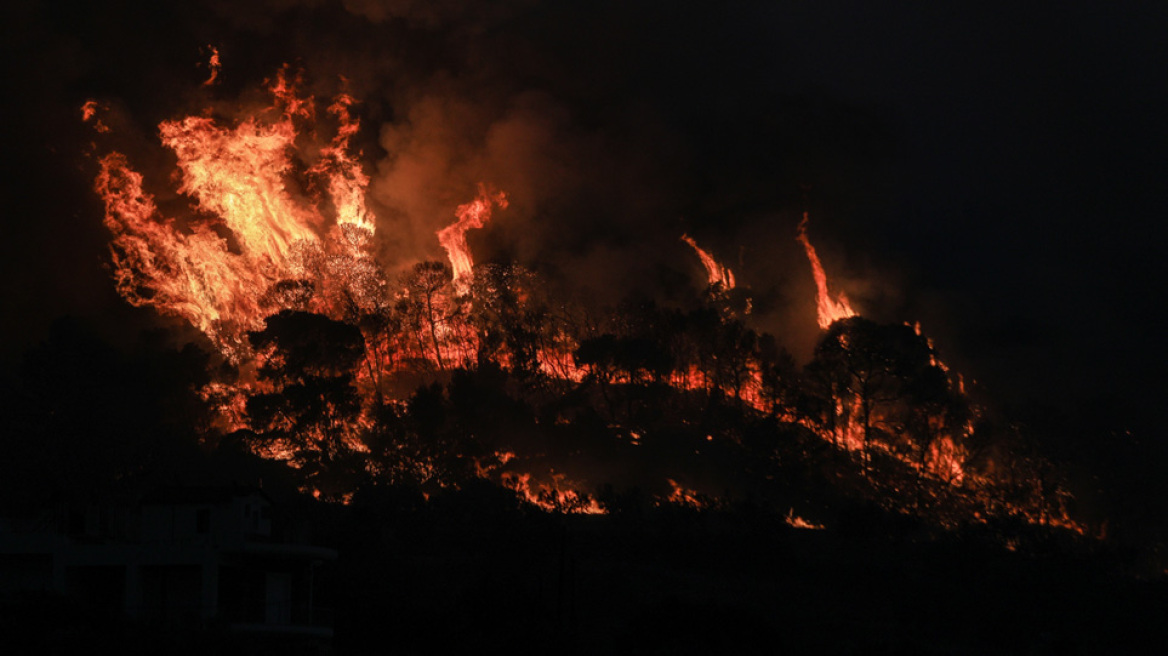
(203, 521)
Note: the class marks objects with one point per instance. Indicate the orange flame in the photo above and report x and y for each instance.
(795, 521)
(237, 178)
(717, 274)
(474, 214)
(214, 65)
(830, 309)
(258, 245)
(346, 180)
(558, 496)
(945, 459)
(193, 276)
(683, 496)
(89, 113)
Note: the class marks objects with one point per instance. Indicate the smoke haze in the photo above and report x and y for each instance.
(991, 172)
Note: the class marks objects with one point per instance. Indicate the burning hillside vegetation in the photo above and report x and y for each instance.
(350, 368)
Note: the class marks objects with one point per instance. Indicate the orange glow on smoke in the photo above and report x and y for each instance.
(830, 309)
(474, 214)
(717, 274)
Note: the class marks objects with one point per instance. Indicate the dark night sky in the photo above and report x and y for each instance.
(990, 169)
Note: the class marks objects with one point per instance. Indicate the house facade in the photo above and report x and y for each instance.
(187, 558)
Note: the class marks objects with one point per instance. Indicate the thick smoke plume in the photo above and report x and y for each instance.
(606, 154)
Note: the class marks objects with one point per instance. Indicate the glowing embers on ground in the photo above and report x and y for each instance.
(680, 495)
(558, 495)
(829, 309)
(553, 492)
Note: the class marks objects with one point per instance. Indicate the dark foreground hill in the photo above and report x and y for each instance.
(471, 572)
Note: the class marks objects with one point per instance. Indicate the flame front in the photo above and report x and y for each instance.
(192, 275)
(251, 232)
(276, 226)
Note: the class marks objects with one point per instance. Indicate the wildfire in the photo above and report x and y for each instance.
(346, 180)
(557, 496)
(830, 309)
(237, 177)
(850, 429)
(279, 225)
(718, 275)
(192, 275)
(474, 214)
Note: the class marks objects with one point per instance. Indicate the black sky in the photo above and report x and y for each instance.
(990, 169)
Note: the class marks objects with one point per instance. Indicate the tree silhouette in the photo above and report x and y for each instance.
(782, 385)
(308, 361)
(510, 314)
(429, 308)
(885, 381)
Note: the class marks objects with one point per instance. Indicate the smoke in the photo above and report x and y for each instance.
(584, 201)
(433, 14)
(609, 149)
(932, 162)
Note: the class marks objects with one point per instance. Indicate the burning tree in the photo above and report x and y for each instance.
(881, 385)
(453, 372)
(310, 414)
(433, 314)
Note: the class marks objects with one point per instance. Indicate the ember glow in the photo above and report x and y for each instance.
(685, 497)
(89, 115)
